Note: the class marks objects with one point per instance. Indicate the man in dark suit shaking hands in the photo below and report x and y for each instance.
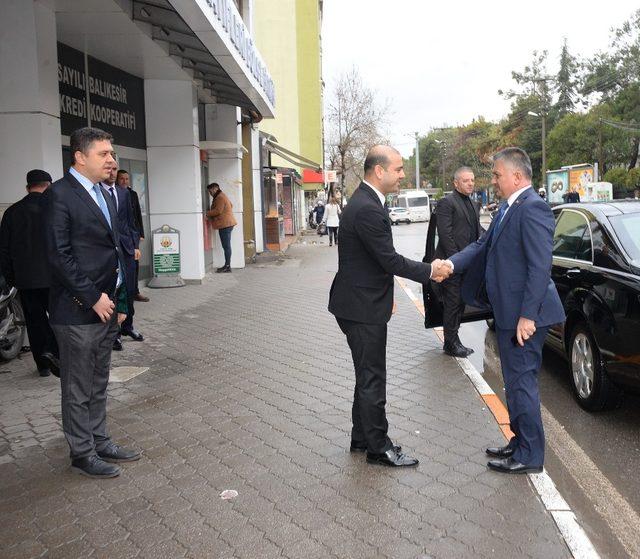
(510, 268)
(87, 269)
(361, 299)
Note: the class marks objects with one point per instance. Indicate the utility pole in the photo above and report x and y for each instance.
(417, 161)
(600, 156)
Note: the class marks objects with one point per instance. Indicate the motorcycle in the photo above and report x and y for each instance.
(12, 324)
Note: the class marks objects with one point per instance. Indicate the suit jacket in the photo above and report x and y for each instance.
(455, 225)
(137, 211)
(512, 269)
(127, 230)
(23, 248)
(84, 252)
(362, 290)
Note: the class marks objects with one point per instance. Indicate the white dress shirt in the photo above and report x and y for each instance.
(382, 197)
(513, 198)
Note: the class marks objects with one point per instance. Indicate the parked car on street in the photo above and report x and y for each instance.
(399, 215)
(596, 269)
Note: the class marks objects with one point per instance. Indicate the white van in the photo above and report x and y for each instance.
(416, 202)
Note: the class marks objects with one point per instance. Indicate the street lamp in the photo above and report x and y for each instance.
(544, 148)
(443, 145)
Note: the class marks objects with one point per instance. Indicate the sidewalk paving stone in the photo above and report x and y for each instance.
(249, 388)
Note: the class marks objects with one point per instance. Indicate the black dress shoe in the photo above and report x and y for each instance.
(52, 363)
(392, 458)
(116, 453)
(44, 372)
(133, 334)
(456, 349)
(500, 451)
(223, 270)
(510, 466)
(117, 344)
(92, 466)
(362, 447)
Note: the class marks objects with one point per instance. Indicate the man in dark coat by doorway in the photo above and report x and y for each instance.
(23, 261)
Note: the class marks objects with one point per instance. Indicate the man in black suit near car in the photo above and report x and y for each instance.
(86, 269)
(129, 243)
(361, 299)
(23, 260)
(458, 224)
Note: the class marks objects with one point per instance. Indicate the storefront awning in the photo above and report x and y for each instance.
(288, 155)
(220, 147)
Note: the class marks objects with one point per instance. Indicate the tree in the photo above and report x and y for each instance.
(354, 120)
(566, 82)
(618, 178)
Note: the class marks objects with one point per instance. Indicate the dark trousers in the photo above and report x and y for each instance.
(35, 304)
(131, 284)
(137, 289)
(333, 235)
(85, 360)
(368, 344)
(453, 307)
(520, 366)
(225, 239)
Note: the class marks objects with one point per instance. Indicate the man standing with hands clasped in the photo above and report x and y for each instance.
(86, 269)
(509, 269)
(361, 299)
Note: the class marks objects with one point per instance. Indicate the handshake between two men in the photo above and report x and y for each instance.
(441, 270)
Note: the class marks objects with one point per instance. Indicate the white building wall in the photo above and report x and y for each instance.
(29, 103)
(173, 162)
(258, 216)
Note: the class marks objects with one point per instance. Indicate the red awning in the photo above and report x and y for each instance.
(311, 175)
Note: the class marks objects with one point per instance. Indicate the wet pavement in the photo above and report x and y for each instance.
(592, 457)
(249, 389)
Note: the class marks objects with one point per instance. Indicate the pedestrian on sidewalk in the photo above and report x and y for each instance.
(361, 299)
(24, 265)
(221, 218)
(130, 251)
(86, 273)
(332, 219)
(509, 270)
(318, 212)
(124, 180)
(458, 225)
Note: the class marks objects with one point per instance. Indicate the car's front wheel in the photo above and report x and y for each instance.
(591, 385)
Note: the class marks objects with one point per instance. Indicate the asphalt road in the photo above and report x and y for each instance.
(593, 458)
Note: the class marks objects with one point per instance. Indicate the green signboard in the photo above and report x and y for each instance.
(166, 258)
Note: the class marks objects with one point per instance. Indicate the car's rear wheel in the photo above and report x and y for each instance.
(592, 387)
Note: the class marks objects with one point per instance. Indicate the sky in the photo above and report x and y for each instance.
(442, 62)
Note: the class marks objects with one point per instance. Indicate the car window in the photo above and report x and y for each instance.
(418, 202)
(567, 239)
(585, 252)
(627, 227)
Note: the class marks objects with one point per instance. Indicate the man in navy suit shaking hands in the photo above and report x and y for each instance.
(509, 268)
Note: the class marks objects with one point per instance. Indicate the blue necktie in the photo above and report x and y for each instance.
(102, 203)
(105, 211)
(501, 212)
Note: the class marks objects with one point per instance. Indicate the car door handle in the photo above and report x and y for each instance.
(572, 272)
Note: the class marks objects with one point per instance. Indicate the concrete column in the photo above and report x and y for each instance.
(225, 168)
(258, 215)
(173, 160)
(29, 101)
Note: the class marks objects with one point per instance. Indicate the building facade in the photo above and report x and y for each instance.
(181, 86)
(288, 34)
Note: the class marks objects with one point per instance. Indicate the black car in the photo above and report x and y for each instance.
(596, 269)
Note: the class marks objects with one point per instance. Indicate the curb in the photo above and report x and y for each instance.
(574, 536)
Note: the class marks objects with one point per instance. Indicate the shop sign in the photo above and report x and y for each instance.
(166, 251)
(227, 14)
(331, 175)
(93, 93)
